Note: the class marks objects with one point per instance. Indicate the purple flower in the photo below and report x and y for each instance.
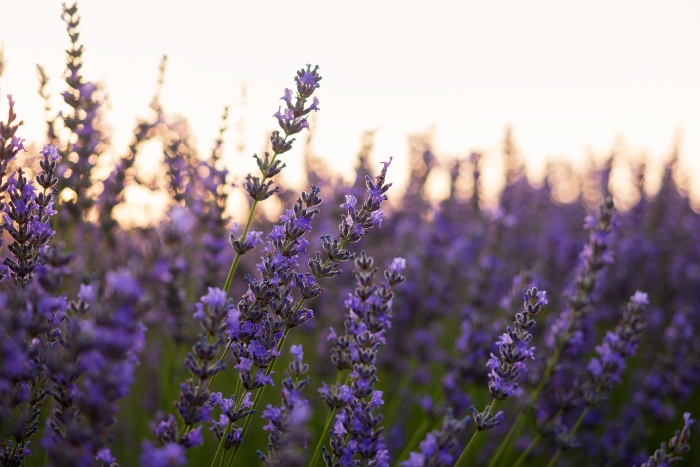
(244, 364)
(377, 217)
(193, 438)
(314, 105)
(308, 78)
(123, 282)
(350, 203)
(285, 421)
(215, 297)
(17, 144)
(87, 293)
(640, 298)
(607, 368)
(105, 456)
(297, 352)
(677, 446)
(368, 316)
(170, 455)
(50, 152)
(287, 97)
(513, 348)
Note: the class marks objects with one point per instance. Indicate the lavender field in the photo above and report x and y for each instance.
(360, 327)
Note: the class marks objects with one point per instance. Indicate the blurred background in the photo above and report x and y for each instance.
(572, 81)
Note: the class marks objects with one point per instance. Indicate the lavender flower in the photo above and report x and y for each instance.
(606, 369)
(566, 331)
(27, 217)
(356, 430)
(84, 120)
(460, 253)
(110, 339)
(242, 245)
(677, 446)
(10, 144)
(195, 402)
(513, 348)
(115, 184)
(170, 455)
(437, 449)
(286, 421)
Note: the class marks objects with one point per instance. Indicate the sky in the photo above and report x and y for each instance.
(571, 78)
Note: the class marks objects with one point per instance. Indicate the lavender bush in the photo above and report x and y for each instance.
(198, 341)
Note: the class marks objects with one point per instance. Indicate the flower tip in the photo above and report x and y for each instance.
(640, 298)
(688, 421)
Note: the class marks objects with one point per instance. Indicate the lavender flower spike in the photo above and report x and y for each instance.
(285, 421)
(356, 430)
(513, 348)
(677, 446)
(606, 369)
(437, 449)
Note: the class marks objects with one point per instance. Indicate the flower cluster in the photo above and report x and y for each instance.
(268, 308)
(607, 368)
(566, 331)
(92, 369)
(286, 421)
(85, 100)
(437, 449)
(677, 446)
(513, 348)
(356, 430)
(194, 400)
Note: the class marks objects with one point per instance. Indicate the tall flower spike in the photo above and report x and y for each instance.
(286, 421)
(27, 217)
(607, 367)
(83, 121)
(291, 120)
(90, 378)
(566, 330)
(437, 449)
(513, 347)
(356, 430)
(195, 402)
(10, 143)
(677, 446)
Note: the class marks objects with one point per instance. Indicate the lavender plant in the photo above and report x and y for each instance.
(96, 317)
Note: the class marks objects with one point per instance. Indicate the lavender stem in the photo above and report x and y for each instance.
(473, 438)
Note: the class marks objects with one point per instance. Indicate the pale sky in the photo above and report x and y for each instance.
(570, 77)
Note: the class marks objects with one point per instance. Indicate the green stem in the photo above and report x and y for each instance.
(473, 438)
(506, 439)
(248, 419)
(517, 427)
(322, 437)
(396, 398)
(555, 458)
(258, 395)
(527, 451)
(417, 436)
(236, 260)
(622, 444)
(221, 445)
(571, 433)
(14, 450)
